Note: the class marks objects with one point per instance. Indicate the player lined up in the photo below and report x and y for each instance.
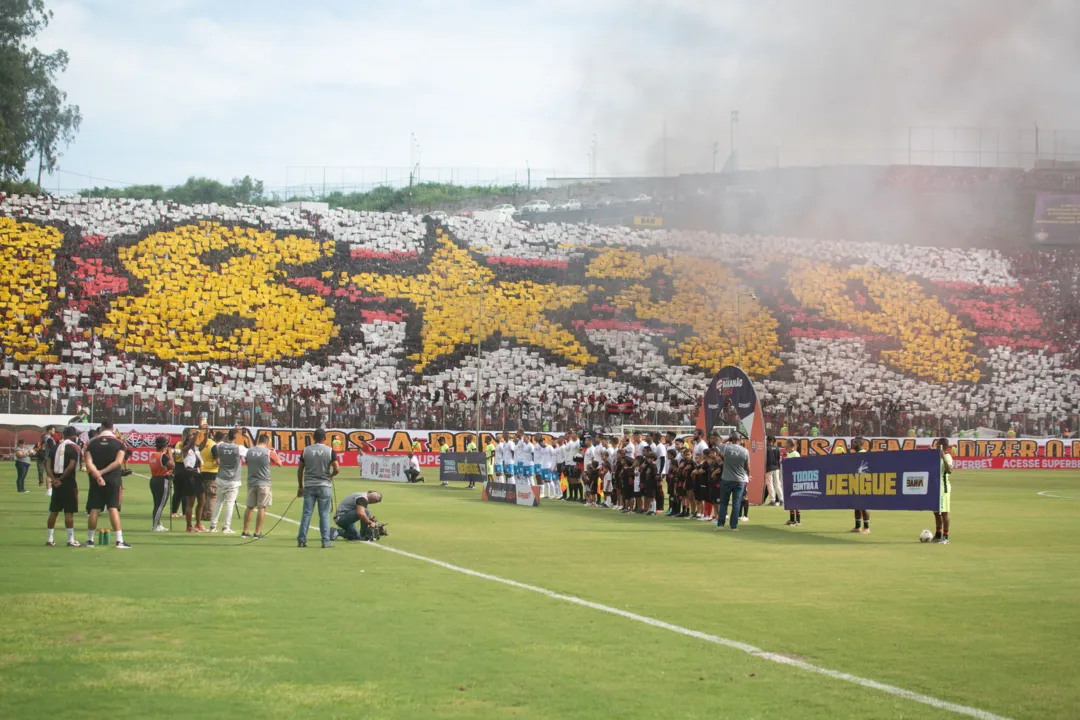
(699, 478)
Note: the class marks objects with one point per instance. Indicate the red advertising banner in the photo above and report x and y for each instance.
(1001, 463)
(991, 454)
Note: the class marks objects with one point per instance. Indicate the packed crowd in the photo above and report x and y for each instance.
(283, 317)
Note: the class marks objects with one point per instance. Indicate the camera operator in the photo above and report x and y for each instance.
(353, 510)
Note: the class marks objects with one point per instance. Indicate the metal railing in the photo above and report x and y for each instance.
(290, 410)
(902, 423)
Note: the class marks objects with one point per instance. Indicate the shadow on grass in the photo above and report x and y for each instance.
(748, 531)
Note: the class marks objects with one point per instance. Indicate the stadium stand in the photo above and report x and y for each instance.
(159, 311)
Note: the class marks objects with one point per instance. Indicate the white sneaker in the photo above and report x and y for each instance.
(48, 492)
(744, 519)
(228, 531)
(160, 528)
(212, 529)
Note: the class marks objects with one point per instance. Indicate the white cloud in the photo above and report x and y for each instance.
(186, 87)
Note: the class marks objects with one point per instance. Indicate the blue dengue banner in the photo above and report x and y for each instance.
(886, 480)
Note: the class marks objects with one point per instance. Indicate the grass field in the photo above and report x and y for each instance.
(197, 626)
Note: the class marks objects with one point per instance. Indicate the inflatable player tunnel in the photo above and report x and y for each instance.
(731, 394)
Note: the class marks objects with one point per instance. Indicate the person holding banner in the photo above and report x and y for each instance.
(489, 452)
(774, 486)
(471, 447)
(862, 517)
(443, 450)
(794, 516)
(941, 517)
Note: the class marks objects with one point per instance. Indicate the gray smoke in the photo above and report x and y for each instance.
(829, 81)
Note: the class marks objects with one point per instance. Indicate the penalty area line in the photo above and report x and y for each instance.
(714, 639)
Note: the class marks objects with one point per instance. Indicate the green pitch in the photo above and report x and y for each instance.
(186, 626)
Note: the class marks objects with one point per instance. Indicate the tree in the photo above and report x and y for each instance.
(194, 191)
(33, 115)
(247, 191)
(52, 123)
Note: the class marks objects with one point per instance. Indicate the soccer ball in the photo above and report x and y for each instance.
(926, 536)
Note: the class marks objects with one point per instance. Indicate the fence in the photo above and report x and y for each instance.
(420, 412)
(318, 181)
(899, 423)
(286, 410)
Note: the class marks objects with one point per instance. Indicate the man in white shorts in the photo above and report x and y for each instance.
(259, 495)
(500, 455)
(546, 461)
(520, 446)
(941, 517)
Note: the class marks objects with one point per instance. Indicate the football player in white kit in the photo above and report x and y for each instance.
(547, 468)
(572, 446)
(532, 459)
(514, 458)
(500, 458)
(523, 458)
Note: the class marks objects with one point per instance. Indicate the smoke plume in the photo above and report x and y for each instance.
(819, 82)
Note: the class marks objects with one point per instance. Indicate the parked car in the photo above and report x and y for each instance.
(641, 198)
(438, 215)
(504, 208)
(536, 206)
(569, 205)
(467, 212)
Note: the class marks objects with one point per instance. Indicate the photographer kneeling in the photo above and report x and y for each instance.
(353, 510)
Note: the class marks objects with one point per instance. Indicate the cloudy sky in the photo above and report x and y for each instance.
(172, 88)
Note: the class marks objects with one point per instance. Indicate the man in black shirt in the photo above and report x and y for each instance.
(60, 468)
(46, 449)
(104, 458)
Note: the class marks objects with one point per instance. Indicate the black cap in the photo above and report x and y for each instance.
(70, 431)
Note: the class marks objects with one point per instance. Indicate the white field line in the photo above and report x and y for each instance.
(1048, 494)
(715, 639)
